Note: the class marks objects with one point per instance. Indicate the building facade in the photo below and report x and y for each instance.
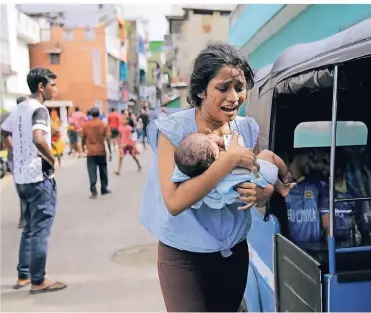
(81, 44)
(263, 31)
(17, 32)
(79, 58)
(137, 54)
(155, 81)
(189, 33)
(116, 55)
(124, 84)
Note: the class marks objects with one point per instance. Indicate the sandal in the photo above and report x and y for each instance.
(21, 283)
(53, 287)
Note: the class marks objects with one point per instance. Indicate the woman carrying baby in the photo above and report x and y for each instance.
(203, 255)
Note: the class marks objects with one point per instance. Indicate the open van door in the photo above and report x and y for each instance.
(297, 278)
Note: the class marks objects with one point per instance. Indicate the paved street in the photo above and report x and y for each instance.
(97, 246)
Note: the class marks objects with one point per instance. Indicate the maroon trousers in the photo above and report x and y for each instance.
(202, 282)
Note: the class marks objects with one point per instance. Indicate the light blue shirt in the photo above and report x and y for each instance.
(205, 229)
(224, 193)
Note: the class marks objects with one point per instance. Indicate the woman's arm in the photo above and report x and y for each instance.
(179, 197)
(252, 194)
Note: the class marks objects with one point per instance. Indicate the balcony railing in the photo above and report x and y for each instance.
(27, 28)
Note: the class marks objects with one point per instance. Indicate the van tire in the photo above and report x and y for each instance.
(243, 306)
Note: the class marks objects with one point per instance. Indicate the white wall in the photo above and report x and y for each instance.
(113, 81)
(142, 62)
(16, 83)
(12, 33)
(9, 102)
(192, 26)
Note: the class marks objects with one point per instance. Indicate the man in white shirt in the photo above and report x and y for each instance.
(27, 133)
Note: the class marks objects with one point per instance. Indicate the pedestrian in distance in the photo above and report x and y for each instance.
(94, 135)
(127, 144)
(114, 121)
(77, 120)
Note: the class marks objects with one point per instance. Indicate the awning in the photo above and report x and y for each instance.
(53, 50)
(57, 104)
(179, 85)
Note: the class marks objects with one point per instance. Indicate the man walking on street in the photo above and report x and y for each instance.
(95, 133)
(145, 120)
(114, 122)
(27, 132)
(77, 120)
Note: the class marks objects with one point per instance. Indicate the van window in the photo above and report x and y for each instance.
(318, 134)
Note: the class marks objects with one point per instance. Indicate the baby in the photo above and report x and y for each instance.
(197, 152)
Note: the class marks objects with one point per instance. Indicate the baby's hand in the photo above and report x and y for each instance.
(214, 137)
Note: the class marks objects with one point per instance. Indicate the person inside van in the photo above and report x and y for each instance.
(347, 214)
(302, 202)
(359, 173)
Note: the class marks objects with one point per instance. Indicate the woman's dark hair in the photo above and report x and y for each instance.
(209, 62)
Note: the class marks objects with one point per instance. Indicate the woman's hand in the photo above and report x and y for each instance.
(217, 139)
(252, 194)
(241, 156)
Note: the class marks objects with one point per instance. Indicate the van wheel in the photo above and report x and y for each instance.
(243, 306)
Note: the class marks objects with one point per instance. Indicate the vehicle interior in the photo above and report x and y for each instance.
(307, 105)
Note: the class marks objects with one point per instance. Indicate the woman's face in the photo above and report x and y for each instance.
(225, 94)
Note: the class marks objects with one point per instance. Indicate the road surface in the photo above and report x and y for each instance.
(97, 246)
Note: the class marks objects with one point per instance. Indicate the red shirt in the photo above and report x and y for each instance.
(125, 136)
(96, 132)
(114, 120)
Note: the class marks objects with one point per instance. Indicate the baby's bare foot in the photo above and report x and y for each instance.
(287, 179)
(287, 188)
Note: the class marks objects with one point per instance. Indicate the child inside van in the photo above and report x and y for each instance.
(347, 214)
(196, 152)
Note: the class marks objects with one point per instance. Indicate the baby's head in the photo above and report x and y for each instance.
(195, 154)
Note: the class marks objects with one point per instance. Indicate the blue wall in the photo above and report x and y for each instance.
(123, 71)
(250, 20)
(316, 22)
